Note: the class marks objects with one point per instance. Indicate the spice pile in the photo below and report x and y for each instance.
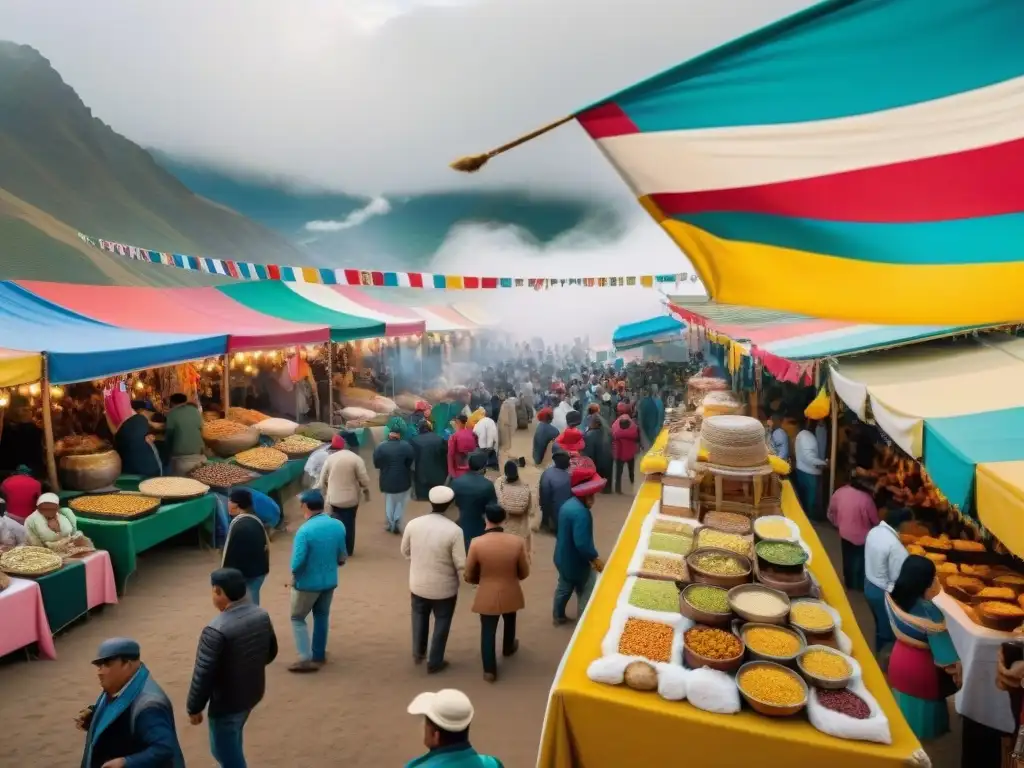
(714, 644)
(811, 616)
(263, 459)
(246, 416)
(220, 474)
(297, 444)
(666, 542)
(759, 602)
(655, 595)
(708, 599)
(773, 529)
(772, 685)
(781, 553)
(719, 565)
(709, 537)
(80, 445)
(772, 641)
(845, 703)
(221, 429)
(649, 639)
(673, 528)
(728, 521)
(826, 665)
(114, 504)
(664, 565)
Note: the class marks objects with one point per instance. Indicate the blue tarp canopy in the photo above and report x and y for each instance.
(80, 349)
(652, 331)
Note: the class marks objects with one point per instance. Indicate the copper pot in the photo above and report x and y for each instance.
(89, 472)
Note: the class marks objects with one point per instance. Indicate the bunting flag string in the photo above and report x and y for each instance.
(247, 270)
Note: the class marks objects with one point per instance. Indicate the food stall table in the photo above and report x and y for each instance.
(100, 587)
(24, 619)
(979, 651)
(123, 483)
(603, 726)
(65, 595)
(124, 540)
(270, 482)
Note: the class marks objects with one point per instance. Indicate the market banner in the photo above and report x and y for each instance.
(245, 270)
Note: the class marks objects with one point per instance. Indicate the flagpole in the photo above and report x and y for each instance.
(473, 163)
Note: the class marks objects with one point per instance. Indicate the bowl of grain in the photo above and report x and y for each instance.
(719, 567)
(706, 604)
(771, 689)
(768, 642)
(730, 522)
(712, 647)
(811, 617)
(774, 527)
(757, 603)
(825, 667)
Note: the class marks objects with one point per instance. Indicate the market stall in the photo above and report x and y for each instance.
(663, 328)
(598, 724)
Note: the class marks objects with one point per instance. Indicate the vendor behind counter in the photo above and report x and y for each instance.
(135, 444)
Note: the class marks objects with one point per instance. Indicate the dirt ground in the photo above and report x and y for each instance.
(352, 712)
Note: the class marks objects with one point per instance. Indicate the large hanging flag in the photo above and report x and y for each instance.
(862, 160)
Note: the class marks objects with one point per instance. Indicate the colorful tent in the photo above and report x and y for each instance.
(180, 310)
(828, 166)
(651, 331)
(17, 367)
(79, 349)
(960, 409)
(275, 298)
(398, 321)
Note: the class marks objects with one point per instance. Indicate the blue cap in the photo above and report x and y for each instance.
(312, 498)
(117, 648)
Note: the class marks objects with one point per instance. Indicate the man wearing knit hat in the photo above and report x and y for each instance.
(543, 436)
(436, 552)
(447, 715)
(576, 558)
(554, 489)
(342, 479)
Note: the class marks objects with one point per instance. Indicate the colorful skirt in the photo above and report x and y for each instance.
(927, 719)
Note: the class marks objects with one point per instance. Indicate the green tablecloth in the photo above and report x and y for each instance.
(125, 540)
(279, 478)
(65, 596)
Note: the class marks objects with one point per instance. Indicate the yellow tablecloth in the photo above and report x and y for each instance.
(590, 725)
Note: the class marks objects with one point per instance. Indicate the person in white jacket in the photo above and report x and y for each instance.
(486, 432)
(808, 471)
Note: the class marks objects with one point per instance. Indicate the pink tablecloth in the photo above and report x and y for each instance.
(23, 619)
(99, 579)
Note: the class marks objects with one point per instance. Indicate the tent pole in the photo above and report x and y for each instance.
(423, 356)
(51, 462)
(330, 383)
(225, 385)
(834, 408)
(296, 384)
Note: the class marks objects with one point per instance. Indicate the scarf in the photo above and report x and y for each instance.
(108, 710)
(914, 628)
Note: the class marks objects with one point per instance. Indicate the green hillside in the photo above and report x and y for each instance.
(63, 170)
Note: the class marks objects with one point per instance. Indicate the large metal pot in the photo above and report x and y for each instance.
(89, 472)
(226, 447)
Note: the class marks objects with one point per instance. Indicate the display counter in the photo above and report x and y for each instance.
(602, 726)
(24, 619)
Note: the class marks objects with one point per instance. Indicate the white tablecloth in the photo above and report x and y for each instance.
(979, 650)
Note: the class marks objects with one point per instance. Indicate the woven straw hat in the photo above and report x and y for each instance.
(735, 442)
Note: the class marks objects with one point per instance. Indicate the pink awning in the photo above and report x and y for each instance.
(178, 310)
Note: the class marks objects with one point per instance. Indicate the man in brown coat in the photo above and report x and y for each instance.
(497, 562)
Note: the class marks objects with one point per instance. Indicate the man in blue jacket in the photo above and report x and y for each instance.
(555, 488)
(132, 722)
(318, 551)
(576, 556)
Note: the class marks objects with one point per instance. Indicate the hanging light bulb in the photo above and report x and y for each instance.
(209, 367)
(4, 400)
(248, 369)
(34, 389)
(273, 355)
(56, 392)
(139, 385)
(258, 354)
(239, 357)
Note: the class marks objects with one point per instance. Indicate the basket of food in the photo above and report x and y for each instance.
(771, 689)
(176, 488)
(226, 438)
(718, 567)
(825, 667)
(1000, 616)
(706, 604)
(262, 459)
(811, 617)
(1011, 580)
(662, 565)
(114, 506)
(30, 562)
(71, 547)
(964, 588)
(297, 446)
(246, 416)
(80, 445)
(712, 647)
(730, 522)
(1004, 594)
(673, 527)
(794, 582)
(711, 538)
(776, 527)
(781, 555)
(222, 474)
(767, 642)
(89, 471)
(760, 604)
(973, 552)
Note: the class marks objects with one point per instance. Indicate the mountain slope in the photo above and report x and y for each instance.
(55, 157)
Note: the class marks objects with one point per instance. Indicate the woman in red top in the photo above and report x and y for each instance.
(625, 445)
(21, 491)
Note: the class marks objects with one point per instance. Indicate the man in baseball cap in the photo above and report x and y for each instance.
(446, 718)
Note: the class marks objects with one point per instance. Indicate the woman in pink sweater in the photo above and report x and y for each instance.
(625, 445)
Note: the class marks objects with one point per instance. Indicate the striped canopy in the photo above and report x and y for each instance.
(861, 160)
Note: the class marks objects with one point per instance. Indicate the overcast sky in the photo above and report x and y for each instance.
(371, 96)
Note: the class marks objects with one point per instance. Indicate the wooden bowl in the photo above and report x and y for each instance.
(703, 617)
(771, 710)
(784, 567)
(793, 584)
(807, 630)
(780, 660)
(717, 579)
(829, 684)
(694, 660)
(779, 618)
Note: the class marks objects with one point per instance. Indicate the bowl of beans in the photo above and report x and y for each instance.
(767, 642)
(825, 667)
(712, 647)
(757, 603)
(811, 617)
(771, 689)
(844, 702)
(706, 604)
(651, 640)
(718, 567)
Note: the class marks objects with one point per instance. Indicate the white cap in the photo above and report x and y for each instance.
(48, 498)
(448, 709)
(441, 494)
